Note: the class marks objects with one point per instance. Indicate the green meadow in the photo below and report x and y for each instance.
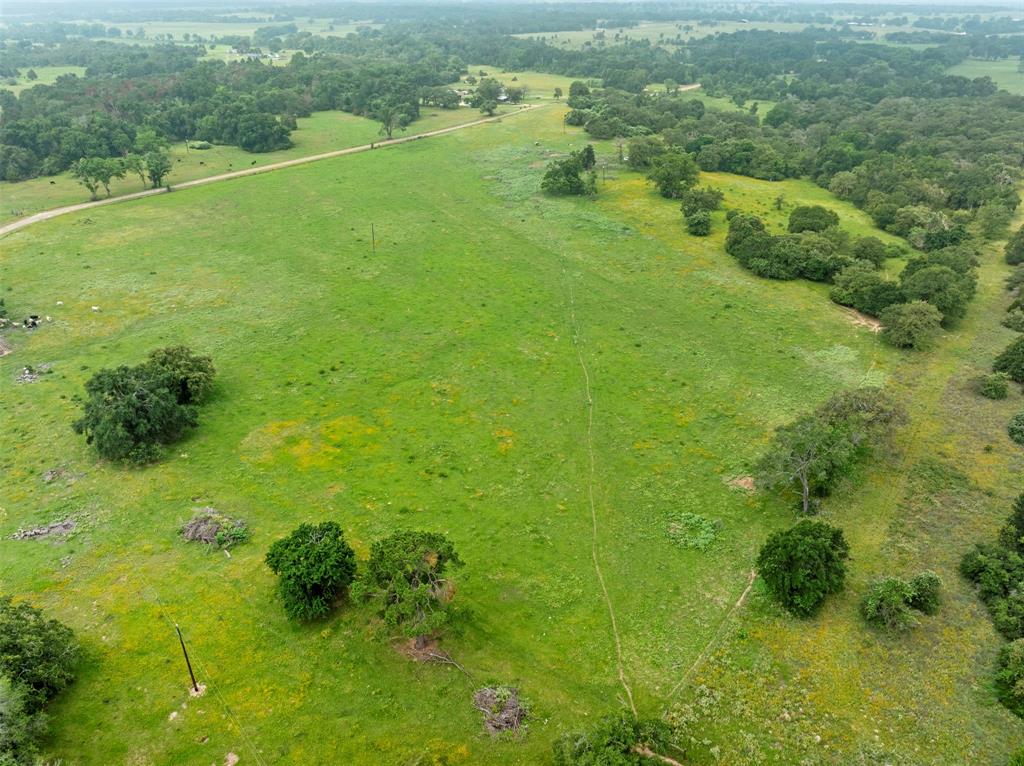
(45, 75)
(1005, 73)
(544, 380)
(321, 132)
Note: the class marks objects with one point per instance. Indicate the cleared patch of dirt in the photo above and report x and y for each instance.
(743, 482)
(56, 529)
(428, 652)
(60, 472)
(230, 759)
(862, 320)
(501, 707)
(4, 348)
(193, 692)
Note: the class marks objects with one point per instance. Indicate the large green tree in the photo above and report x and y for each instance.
(36, 652)
(314, 564)
(673, 173)
(407, 579)
(802, 565)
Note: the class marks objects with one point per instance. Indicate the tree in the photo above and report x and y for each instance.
(942, 287)
(391, 116)
(1011, 361)
(810, 452)
(1009, 676)
(93, 172)
(406, 579)
(698, 223)
(558, 93)
(37, 653)
(578, 88)
(147, 140)
(870, 249)
(860, 286)
(673, 173)
(993, 218)
(158, 165)
(913, 325)
(1014, 249)
(562, 177)
(587, 157)
(804, 564)
(261, 132)
(1015, 428)
(193, 373)
(644, 150)
(31, 75)
(617, 740)
(488, 108)
(21, 730)
(811, 218)
(315, 565)
(129, 412)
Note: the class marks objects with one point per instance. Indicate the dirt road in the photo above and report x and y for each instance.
(46, 215)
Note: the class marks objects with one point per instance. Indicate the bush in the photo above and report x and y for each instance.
(1014, 320)
(20, 729)
(887, 604)
(673, 173)
(40, 653)
(913, 325)
(1011, 361)
(614, 741)
(941, 286)
(1014, 249)
(201, 145)
(315, 565)
(863, 288)
(1015, 428)
(804, 564)
(699, 223)
(994, 386)
(130, 412)
(1016, 278)
(927, 587)
(192, 373)
(705, 198)
(811, 218)
(1009, 677)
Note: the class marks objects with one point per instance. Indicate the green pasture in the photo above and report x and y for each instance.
(321, 132)
(45, 75)
(440, 382)
(1005, 73)
(663, 32)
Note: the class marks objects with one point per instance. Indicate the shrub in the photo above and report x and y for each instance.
(405, 577)
(1014, 320)
(1015, 428)
(705, 198)
(913, 325)
(315, 565)
(887, 604)
(20, 729)
(804, 564)
(192, 373)
(689, 530)
(673, 173)
(201, 145)
(860, 286)
(562, 177)
(615, 740)
(1009, 677)
(699, 223)
(811, 218)
(216, 529)
(1014, 250)
(927, 587)
(1016, 278)
(38, 652)
(994, 386)
(1011, 361)
(130, 412)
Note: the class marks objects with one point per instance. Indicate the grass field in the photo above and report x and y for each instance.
(321, 132)
(45, 75)
(663, 32)
(1004, 72)
(441, 384)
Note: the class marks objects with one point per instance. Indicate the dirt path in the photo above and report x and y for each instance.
(591, 479)
(46, 215)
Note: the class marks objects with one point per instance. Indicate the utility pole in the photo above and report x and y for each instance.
(195, 686)
(373, 239)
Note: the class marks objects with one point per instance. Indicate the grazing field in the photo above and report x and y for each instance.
(497, 362)
(1004, 72)
(45, 75)
(659, 32)
(321, 132)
